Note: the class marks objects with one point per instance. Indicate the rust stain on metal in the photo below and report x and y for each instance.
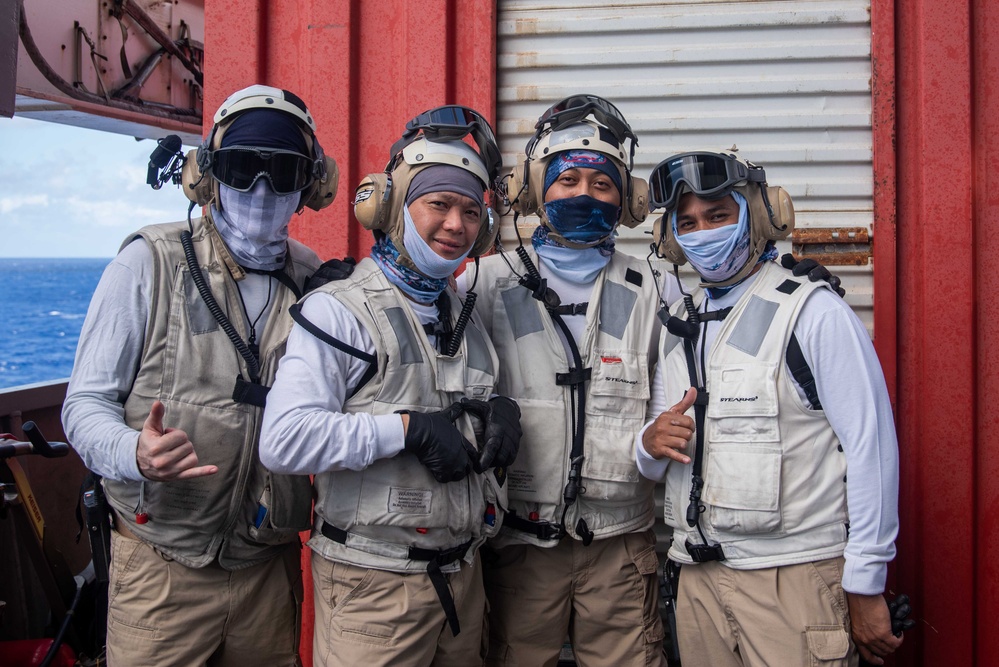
(526, 26)
(834, 246)
(830, 235)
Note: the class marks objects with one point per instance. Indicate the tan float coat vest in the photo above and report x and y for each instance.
(774, 478)
(621, 327)
(243, 513)
(396, 503)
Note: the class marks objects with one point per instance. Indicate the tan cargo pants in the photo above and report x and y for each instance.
(790, 615)
(165, 614)
(605, 597)
(368, 617)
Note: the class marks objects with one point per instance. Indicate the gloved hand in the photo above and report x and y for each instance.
(332, 269)
(813, 270)
(501, 440)
(899, 610)
(435, 441)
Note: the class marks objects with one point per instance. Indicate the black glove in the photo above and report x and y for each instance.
(435, 441)
(501, 441)
(899, 609)
(813, 270)
(333, 269)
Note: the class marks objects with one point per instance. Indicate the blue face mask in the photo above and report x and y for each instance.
(582, 219)
(718, 254)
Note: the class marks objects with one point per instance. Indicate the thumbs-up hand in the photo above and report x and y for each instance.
(165, 454)
(668, 435)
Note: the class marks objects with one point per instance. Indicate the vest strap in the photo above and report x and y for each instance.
(543, 530)
(435, 559)
(801, 373)
(571, 308)
(251, 393)
(296, 314)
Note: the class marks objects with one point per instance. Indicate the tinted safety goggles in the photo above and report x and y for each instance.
(708, 175)
(576, 108)
(239, 167)
(454, 122)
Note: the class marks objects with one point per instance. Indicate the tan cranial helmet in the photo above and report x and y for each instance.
(711, 175)
(435, 137)
(579, 122)
(315, 175)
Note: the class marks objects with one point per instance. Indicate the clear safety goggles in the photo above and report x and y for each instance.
(240, 167)
(576, 108)
(454, 122)
(708, 175)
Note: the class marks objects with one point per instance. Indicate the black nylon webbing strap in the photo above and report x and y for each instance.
(296, 314)
(251, 393)
(435, 558)
(801, 372)
(571, 308)
(543, 530)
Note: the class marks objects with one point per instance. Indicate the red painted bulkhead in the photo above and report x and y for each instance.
(366, 68)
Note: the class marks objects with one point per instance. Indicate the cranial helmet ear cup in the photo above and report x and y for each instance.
(783, 212)
(635, 202)
(372, 201)
(522, 199)
(321, 193)
(197, 186)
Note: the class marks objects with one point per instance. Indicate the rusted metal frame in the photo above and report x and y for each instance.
(139, 15)
(68, 89)
(834, 246)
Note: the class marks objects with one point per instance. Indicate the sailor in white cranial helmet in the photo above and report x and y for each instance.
(376, 397)
(574, 322)
(180, 344)
(784, 509)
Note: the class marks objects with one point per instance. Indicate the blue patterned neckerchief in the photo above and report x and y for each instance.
(421, 288)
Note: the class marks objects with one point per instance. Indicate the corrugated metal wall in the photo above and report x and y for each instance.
(789, 83)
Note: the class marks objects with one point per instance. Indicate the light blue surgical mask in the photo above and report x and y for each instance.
(426, 260)
(718, 254)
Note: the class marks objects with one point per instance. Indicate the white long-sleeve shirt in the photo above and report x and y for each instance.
(855, 400)
(305, 430)
(108, 357)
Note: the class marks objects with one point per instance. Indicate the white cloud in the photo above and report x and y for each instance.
(8, 204)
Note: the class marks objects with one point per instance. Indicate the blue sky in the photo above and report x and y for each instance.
(72, 192)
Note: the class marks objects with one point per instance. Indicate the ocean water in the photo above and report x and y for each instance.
(42, 305)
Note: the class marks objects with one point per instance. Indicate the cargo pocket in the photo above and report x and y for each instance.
(828, 646)
(742, 479)
(647, 563)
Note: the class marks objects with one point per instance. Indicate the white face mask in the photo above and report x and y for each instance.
(428, 262)
(718, 254)
(254, 224)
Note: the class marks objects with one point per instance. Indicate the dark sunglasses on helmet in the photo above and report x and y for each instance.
(239, 167)
(576, 108)
(708, 175)
(454, 122)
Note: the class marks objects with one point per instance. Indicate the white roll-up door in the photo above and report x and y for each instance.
(788, 83)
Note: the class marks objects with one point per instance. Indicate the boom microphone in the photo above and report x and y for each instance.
(166, 150)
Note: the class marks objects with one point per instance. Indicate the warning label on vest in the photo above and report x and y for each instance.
(409, 501)
(522, 481)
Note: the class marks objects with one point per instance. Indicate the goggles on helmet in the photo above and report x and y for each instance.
(240, 167)
(576, 108)
(451, 123)
(708, 175)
